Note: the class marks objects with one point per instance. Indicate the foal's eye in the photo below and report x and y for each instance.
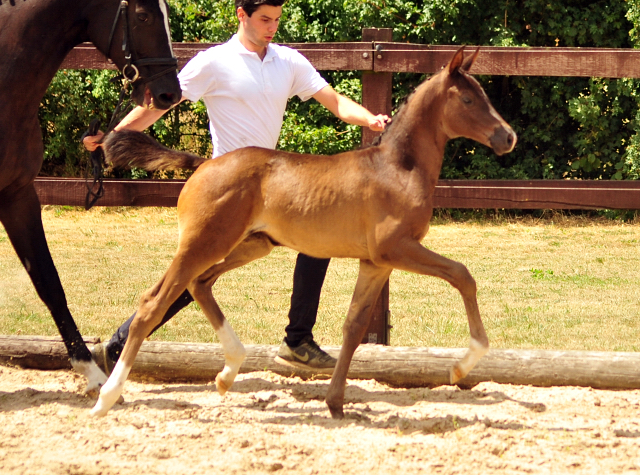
(466, 99)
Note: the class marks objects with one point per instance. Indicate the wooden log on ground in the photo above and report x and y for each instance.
(37, 352)
(397, 366)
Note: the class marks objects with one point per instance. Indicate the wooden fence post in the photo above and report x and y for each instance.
(376, 87)
(376, 97)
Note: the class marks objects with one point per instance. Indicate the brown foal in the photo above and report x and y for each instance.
(372, 204)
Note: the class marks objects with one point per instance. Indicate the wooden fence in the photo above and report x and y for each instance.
(378, 57)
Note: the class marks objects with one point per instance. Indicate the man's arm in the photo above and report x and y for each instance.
(348, 110)
(138, 119)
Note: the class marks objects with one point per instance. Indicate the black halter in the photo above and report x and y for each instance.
(95, 190)
(131, 67)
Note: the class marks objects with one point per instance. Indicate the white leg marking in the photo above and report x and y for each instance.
(165, 13)
(91, 371)
(460, 369)
(111, 390)
(234, 354)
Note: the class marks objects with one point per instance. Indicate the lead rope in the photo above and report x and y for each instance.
(95, 190)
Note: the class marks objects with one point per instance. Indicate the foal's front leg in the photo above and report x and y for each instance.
(371, 279)
(412, 256)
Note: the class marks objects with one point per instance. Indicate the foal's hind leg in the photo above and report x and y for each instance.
(153, 305)
(371, 279)
(21, 216)
(413, 257)
(254, 247)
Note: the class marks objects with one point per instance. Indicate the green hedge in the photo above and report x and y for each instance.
(567, 127)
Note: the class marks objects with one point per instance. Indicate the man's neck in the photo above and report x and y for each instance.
(261, 51)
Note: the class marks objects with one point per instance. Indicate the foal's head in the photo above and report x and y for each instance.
(468, 112)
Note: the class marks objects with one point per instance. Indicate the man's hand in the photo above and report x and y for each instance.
(90, 142)
(378, 123)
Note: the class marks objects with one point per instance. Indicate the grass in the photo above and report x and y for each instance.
(552, 283)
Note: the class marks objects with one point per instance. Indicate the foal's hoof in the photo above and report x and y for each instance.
(222, 386)
(95, 394)
(99, 410)
(102, 406)
(336, 412)
(456, 374)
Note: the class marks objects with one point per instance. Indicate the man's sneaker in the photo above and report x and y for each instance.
(307, 355)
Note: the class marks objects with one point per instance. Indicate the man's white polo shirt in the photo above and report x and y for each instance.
(246, 97)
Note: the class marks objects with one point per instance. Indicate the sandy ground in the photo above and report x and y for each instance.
(271, 424)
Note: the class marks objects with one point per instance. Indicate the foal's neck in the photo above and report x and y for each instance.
(417, 139)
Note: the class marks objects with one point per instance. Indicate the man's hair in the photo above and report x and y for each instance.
(250, 6)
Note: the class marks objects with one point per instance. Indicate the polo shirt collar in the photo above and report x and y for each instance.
(239, 47)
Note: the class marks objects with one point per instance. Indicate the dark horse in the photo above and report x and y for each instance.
(373, 204)
(35, 37)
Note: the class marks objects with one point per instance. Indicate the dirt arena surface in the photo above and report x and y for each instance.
(271, 424)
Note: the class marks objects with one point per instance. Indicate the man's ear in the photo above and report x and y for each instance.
(241, 14)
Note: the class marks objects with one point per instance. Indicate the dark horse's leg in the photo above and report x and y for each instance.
(21, 216)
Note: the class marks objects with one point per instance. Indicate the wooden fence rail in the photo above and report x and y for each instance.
(386, 56)
(476, 194)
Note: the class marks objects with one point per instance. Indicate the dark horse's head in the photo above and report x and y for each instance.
(135, 35)
(468, 111)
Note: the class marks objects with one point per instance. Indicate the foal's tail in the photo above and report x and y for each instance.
(127, 149)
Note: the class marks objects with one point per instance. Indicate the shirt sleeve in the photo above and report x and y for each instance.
(197, 77)
(307, 81)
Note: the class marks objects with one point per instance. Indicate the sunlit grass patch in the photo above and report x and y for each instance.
(555, 283)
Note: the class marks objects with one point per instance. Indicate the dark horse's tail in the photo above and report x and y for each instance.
(127, 149)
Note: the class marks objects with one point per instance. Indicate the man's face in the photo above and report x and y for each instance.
(261, 27)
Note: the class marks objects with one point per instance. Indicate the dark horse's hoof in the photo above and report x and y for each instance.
(100, 356)
(93, 393)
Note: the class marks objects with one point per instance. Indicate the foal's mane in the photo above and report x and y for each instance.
(393, 120)
(401, 111)
(405, 102)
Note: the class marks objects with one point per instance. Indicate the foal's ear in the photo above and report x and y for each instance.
(466, 65)
(456, 61)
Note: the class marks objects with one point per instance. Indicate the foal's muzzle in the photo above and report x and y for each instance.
(503, 140)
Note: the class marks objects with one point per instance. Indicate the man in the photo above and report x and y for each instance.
(245, 85)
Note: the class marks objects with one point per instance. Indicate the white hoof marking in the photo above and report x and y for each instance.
(461, 368)
(95, 377)
(111, 391)
(234, 355)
